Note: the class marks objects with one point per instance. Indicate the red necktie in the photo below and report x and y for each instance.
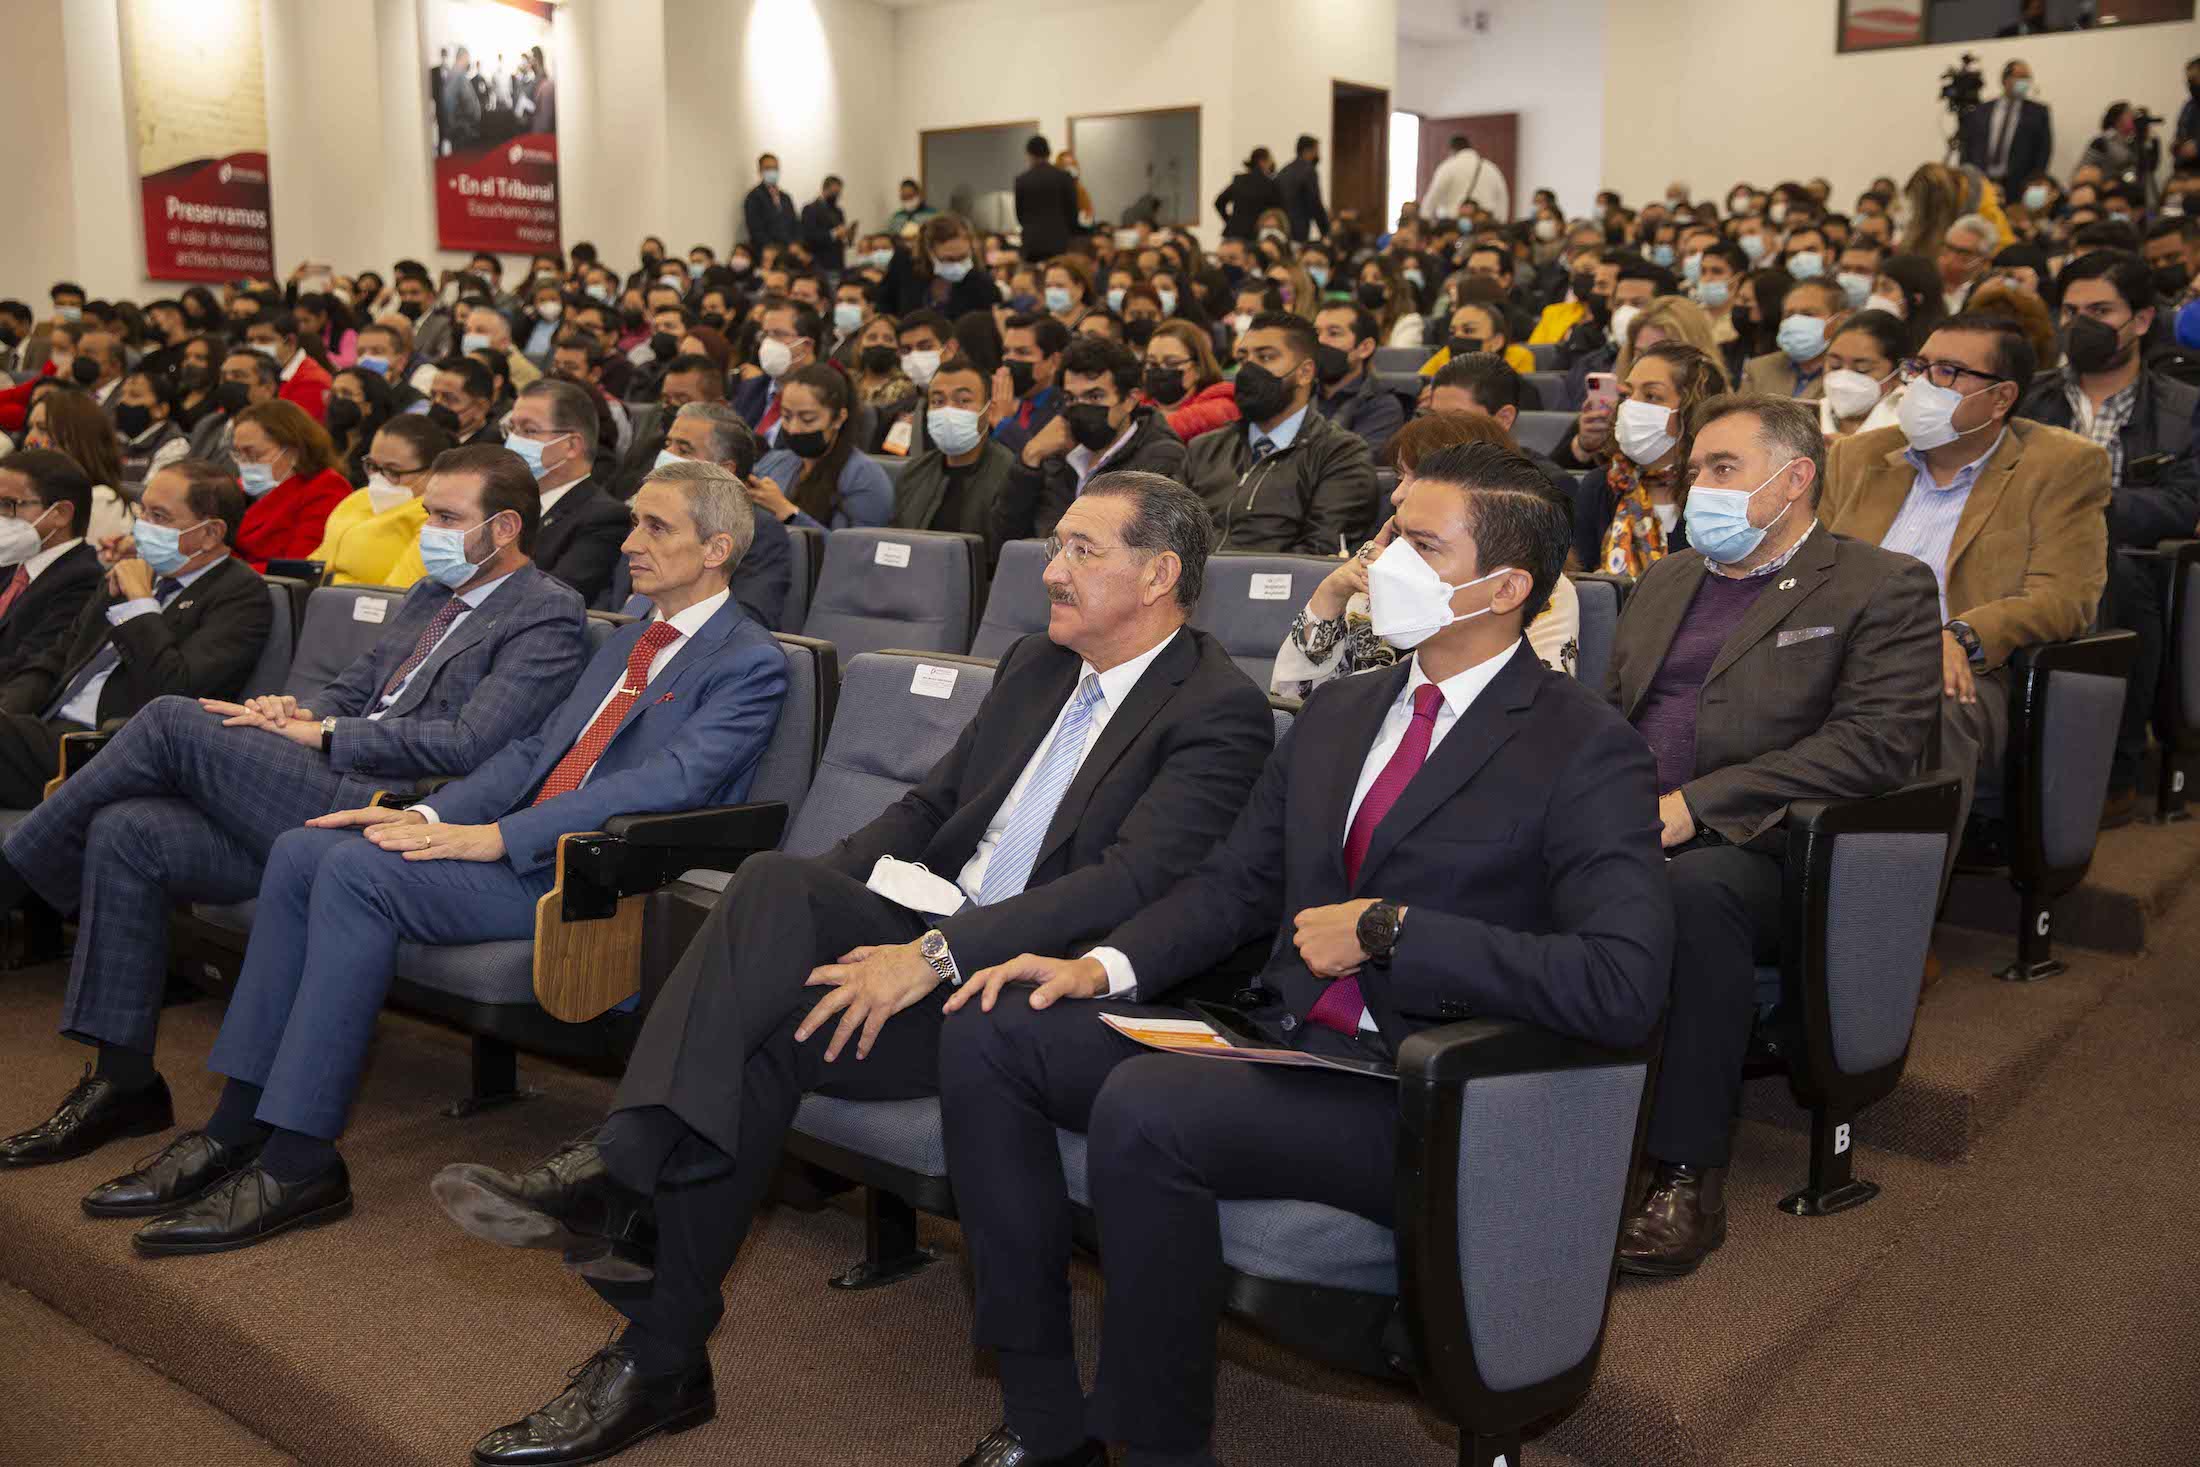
(771, 416)
(17, 585)
(1340, 1005)
(440, 623)
(587, 749)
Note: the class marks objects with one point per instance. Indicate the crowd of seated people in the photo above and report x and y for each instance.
(1849, 463)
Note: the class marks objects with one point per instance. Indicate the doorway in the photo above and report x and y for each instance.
(1359, 152)
(1495, 135)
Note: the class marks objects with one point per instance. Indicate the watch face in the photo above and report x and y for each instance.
(935, 945)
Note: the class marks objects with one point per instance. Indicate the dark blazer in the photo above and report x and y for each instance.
(1301, 183)
(1160, 786)
(1248, 196)
(2029, 146)
(579, 538)
(203, 644)
(495, 678)
(1521, 903)
(819, 220)
(1826, 690)
(751, 396)
(2160, 501)
(1034, 499)
(692, 739)
(49, 606)
(767, 219)
(1046, 212)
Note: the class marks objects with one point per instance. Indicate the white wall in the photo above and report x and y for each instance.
(39, 247)
(1543, 59)
(1710, 91)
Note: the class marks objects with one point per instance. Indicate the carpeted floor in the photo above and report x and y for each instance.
(2014, 1296)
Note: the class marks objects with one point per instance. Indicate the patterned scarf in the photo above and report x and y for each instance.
(1634, 539)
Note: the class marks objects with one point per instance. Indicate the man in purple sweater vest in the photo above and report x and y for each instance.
(1772, 661)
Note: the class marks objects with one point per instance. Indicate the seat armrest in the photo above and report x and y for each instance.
(309, 571)
(77, 750)
(1927, 805)
(752, 827)
(640, 852)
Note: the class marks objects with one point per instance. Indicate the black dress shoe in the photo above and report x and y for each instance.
(250, 1207)
(1005, 1449)
(609, 1406)
(182, 1172)
(1680, 1221)
(91, 1115)
(568, 1202)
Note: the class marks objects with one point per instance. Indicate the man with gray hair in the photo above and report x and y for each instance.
(1772, 661)
(1966, 252)
(672, 714)
(713, 433)
(1109, 756)
(553, 427)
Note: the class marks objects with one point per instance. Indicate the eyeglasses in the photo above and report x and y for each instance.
(17, 506)
(1080, 553)
(1944, 374)
(387, 471)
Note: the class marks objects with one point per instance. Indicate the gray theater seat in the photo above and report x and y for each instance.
(915, 590)
(1250, 601)
(1018, 604)
(1542, 432)
(1601, 597)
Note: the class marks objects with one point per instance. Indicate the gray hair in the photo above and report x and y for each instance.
(716, 501)
(732, 441)
(1787, 429)
(1978, 225)
(1166, 516)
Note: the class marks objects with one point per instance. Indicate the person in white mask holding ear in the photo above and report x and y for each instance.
(2011, 516)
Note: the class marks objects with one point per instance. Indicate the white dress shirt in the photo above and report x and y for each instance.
(1459, 692)
(1115, 685)
(84, 707)
(1925, 525)
(686, 623)
(471, 600)
(550, 497)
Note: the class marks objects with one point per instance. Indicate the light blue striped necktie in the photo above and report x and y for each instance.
(1010, 867)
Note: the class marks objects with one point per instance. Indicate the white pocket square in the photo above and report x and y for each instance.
(1803, 634)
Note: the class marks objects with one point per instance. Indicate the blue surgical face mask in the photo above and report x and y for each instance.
(1319, 274)
(1058, 299)
(951, 271)
(1692, 268)
(1662, 255)
(443, 555)
(1857, 286)
(847, 315)
(1806, 265)
(1168, 302)
(2035, 197)
(530, 451)
(952, 430)
(880, 259)
(161, 547)
(1802, 338)
(600, 293)
(665, 457)
(1115, 299)
(1753, 245)
(379, 366)
(472, 341)
(1718, 521)
(1712, 294)
(256, 480)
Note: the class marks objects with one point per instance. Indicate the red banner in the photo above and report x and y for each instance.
(500, 196)
(209, 219)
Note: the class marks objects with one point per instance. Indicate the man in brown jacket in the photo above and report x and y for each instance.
(2011, 515)
(1773, 661)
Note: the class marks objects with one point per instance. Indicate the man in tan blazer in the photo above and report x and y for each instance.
(1773, 661)
(2011, 515)
(1811, 314)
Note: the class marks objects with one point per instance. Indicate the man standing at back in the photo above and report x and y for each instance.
(1301, 182)
(2010, 140)
(1106, 760)
(767, 214)
(1046, 204)
(1465, 175)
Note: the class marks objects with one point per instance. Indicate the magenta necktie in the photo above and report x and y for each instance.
(1340, 1005)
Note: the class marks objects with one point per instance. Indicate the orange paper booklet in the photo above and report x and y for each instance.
(1223, 1039)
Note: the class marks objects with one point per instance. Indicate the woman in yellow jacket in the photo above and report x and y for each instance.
(373, 535)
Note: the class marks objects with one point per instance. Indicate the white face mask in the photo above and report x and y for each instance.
(920, 366)
(1893, 307)
(1640, 429)
(20, 539)
(1852, 393)
(1408, 602)
(1928, 414)
(1623, 318)
(776, 358)
(383, 496)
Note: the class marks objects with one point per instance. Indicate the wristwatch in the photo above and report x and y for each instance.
(934, 947)
(1378, 930)
(328, 733)
(1967, 640)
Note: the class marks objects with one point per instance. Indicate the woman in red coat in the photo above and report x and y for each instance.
(290, 472)
(1184, 381)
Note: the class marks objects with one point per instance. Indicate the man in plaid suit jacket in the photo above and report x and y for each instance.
(188, 800)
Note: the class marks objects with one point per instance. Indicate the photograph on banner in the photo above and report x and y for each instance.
(495, 125)
(200, 105)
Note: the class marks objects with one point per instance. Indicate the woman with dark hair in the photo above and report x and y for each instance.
(1249, 195)
(66, 418)
(145, 423)
(817, 478)
(323, 315)
(373, 535)
(201, 311)
(2115, 151)
(359, 403)
(1629, 516)
(198, 363)
(1909, 286)
(1863, 383)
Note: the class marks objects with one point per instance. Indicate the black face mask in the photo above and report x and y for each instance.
(343, 415)
(193, 379)
(8, 338)
(1138, 331)
(715, 320)
(1332, 363)
(1600, 307)
(810, 446)
(411, 310)
(444, 418)
(2171, 280)
(132, 419)
(663, 345)
(879, 361)
(1464, 346)
(2092, 346)
(1021, 376)
(233, 398)
(1261, 394)
(1165, 385)
(631, 318)
(1371, 295)
(1088, 424)
(1744, 319)
(1584, 282)
(85, 371)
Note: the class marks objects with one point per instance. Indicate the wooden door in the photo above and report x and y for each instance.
(1359, 152)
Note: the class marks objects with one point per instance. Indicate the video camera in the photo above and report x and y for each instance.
(1962, 84)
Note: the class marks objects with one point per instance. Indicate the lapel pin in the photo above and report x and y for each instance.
(1787, 585)
(667, 698)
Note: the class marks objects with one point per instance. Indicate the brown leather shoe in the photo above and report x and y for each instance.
(1679, 1222)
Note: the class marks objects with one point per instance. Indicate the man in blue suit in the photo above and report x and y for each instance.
(672, 714)
(187, 801)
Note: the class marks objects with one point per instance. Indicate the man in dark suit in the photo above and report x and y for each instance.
(1301, 182)
(1046, 204)
(1772, 661)
(672, 714)
(187, 801)
(824, 228)
(2011, 138)
(46, 591)
(712, 433)
(767, 213)
(553, 428)
(1468, 833)
(181, 616)
(1109, 755)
